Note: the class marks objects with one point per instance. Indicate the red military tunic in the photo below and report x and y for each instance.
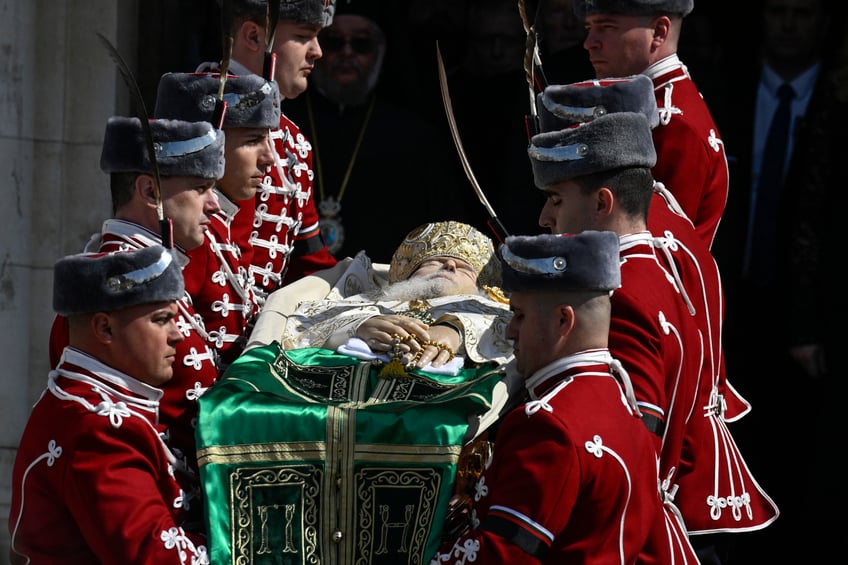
(92, 480)
(281, 221)
(690, 153)
(697, 273)
(285, 236)
(195, 368)
(657, 341)
(718, 493)
(572, 477)
(219, 285)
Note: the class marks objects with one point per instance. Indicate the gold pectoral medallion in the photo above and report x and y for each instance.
(330, 222)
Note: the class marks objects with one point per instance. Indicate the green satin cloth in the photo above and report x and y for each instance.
(308, 456)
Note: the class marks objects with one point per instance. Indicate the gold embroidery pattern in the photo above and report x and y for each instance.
(275, 513)
(395, 513)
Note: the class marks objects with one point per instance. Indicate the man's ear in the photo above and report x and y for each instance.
(145, 189)
(101, 327)
(605, 201)
(566, 319)
(252, 36)
(661, 30)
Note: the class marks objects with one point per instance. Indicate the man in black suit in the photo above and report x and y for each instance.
(751, 248)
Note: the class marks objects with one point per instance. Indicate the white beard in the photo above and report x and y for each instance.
(421, 288)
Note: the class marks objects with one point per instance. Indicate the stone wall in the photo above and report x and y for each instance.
(58, 89)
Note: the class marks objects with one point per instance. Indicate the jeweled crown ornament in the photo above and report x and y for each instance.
(446, 239)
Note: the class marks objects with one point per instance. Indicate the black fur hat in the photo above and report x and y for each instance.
(252, 101)
(309, 11)
(612, 141)
(583, 8)
(191, 149)
(563, 105)
(301, 11)
(587, 261)
(98, 282)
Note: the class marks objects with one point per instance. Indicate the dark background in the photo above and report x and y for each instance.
(718, 46)
(490, 107)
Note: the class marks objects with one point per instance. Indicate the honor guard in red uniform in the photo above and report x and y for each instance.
(282, 224)
(718, 472)
(219, 284)
(628, 37)
(596, 175)
(93, 481)
(190, 157)
(695, 269)
(572, 475)
(719, 494)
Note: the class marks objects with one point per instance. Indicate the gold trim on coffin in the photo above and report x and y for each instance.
(327, 499)
(270, 452)
(350, 383)
(257, 513)
(260, 452)
(277, 510)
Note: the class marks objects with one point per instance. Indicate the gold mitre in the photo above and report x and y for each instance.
(446, 239)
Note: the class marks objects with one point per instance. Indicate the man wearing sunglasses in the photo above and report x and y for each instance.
(353, 120)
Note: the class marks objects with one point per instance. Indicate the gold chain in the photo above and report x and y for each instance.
(318, 169)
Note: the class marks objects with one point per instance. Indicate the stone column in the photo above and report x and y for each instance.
(57, 90)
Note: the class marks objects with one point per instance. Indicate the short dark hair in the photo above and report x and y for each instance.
(122, 186)
(633, 187)
(240, 12)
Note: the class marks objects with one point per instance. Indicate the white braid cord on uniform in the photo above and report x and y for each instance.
(115, 411)
(542, 404)
(667, 110)
(670, 199)
(617, 368)
(238, 283)
(669, 491)
(195, 322)
(668, 245)
(288, 187)
(585, 358)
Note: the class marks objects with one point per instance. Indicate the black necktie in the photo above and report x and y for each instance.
(762, 249)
